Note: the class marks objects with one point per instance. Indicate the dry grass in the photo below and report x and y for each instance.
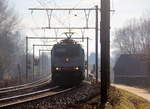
(119, 99)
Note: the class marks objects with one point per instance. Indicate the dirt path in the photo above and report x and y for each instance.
(140, 92)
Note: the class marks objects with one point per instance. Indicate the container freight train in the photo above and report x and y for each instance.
(67, 62)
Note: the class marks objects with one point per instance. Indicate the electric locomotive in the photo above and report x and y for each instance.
(67, 63)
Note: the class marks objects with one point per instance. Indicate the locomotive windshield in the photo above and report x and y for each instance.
(67, 51)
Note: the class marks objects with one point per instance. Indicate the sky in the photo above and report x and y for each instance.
(124, 11)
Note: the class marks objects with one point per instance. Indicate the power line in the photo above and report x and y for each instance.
(56, 17)
(54, 1)
(77, 4)
(40, 3)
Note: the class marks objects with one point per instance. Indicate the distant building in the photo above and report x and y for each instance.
(132, 69)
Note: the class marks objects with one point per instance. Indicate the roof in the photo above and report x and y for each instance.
(132, 64)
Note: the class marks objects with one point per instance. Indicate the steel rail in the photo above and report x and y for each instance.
(27, 87)
(28, 94)
(31, 96)
(24, 86)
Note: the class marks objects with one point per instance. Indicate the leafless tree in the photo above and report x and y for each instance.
(9, 38)
(134, 38)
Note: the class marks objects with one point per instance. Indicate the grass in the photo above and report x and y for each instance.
(127, 100)
(118, 99)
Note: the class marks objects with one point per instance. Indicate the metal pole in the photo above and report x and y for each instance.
(105, 50)
(33, 61)
(39, 64)
(19, 71)
(87, 57)
(42, 61)
(96, 44)
(26, 58)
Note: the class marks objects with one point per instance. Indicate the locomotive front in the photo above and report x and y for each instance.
(67, 62)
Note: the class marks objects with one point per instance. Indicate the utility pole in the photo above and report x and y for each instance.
(33, 61)
(105, 50)
(27, 59)
(96, 44)
(19, 72)
(87, 58)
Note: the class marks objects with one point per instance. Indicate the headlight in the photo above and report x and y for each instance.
(57, 68)
(76, 68)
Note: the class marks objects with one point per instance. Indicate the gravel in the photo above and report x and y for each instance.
(68, 100)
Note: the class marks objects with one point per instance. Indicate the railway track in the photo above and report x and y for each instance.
(25, 86)
(32, 96)
(12, 92)
(54, 98)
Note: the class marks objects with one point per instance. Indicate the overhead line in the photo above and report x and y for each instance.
(77, 4)
(65, 28)
(62, 8)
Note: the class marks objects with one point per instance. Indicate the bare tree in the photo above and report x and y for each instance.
(134, 38)
(9, 36)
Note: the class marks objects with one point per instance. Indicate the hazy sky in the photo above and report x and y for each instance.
(124, 9)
